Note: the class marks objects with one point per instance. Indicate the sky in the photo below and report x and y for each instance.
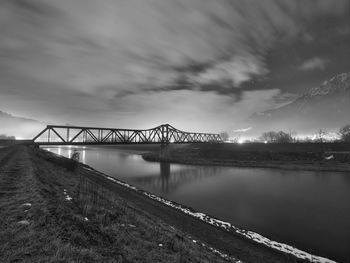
(199, 65)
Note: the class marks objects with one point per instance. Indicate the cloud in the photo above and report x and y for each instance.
(284, 98)
(243, 130)
(238, 69)
(132, 44)
(313, 64)
(209, 111)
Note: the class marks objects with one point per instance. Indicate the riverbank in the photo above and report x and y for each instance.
(312, 157)
(74, 212)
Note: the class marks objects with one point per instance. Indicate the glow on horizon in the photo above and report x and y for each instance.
(241, 140)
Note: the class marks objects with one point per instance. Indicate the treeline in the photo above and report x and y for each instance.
(277, 137)
(288, 137)
(319, 136)
(5, 137)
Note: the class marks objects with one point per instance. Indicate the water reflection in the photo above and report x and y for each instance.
(164, 176)
(68, 150)
(168, 181)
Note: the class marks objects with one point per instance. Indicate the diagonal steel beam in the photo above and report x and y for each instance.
(52, 129)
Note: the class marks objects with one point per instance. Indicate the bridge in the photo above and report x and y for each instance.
(162, 134)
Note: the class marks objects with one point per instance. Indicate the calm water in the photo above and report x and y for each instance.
(310, 210)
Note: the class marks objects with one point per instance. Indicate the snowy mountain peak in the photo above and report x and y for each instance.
(340, 82)
(325, 107)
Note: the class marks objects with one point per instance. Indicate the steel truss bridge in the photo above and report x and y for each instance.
(163, 134)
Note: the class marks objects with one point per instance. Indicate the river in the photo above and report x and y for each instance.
(307, 209)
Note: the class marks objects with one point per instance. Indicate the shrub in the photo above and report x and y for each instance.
(344, 133)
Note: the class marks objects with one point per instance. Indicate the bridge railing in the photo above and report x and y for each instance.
(58, 134)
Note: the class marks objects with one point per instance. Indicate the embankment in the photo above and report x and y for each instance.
(293, 156)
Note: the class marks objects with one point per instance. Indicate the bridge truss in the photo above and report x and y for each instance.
(163, 134)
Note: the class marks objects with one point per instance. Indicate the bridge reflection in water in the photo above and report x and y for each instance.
(168, 181)
(163, 177)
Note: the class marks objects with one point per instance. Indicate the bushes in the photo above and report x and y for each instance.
(278, 137)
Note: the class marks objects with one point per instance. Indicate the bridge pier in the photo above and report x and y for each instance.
(164, 151)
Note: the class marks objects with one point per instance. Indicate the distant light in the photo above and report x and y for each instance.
(265, 141)
(241, 140)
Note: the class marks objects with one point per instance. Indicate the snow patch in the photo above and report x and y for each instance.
(23, 222)
(329, 157)
(66, 195)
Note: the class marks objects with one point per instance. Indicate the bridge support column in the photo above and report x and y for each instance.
(164, 152)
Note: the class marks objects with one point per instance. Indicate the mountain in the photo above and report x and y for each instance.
(18, 126)
(324, 107)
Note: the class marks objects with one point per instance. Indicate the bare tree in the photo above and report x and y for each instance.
(344, 133)
(5, 137)
(320, 135)
(278, 137)
(268, 136)
(224, 136)
(235, 139)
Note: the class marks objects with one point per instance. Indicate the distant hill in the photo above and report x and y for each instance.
(324, 107)
(18, 126)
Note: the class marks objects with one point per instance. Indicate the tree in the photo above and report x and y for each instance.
(5, 137)
(284, 137)
(224, 136)
(277, 137)
(268, 136)
(344, 133)
(320, 135)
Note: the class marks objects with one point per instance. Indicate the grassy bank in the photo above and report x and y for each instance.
(317, 156)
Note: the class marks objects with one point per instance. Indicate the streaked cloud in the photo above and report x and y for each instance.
(238, 69)
(243, 129)
(315, 63)
(284, 98)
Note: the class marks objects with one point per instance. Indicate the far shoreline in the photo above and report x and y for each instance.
(324, 167)
(327, 157)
